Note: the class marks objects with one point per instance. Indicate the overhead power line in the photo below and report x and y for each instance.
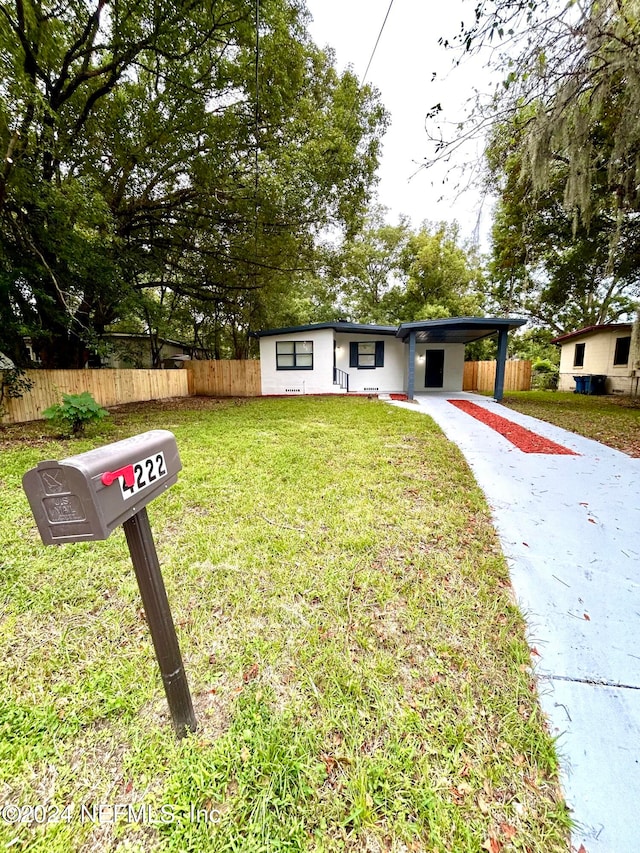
(375, 47)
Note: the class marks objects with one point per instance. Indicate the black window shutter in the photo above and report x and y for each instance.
(379, 353)
(353, 354)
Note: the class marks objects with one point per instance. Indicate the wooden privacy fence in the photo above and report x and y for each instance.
(225, 378)
(481, 376)
(108, 387)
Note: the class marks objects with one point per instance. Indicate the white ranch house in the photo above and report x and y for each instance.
(341, 357)
(603, 350)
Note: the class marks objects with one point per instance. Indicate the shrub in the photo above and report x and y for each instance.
(75, 412)
(545, 375)
(543, 365)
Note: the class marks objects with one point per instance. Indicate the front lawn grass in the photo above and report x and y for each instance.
(612, 420)
(360, 674)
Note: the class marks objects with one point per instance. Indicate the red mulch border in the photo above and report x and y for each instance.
(523, 439)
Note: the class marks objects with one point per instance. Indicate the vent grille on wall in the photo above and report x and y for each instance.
(293, 391)
(371, 389)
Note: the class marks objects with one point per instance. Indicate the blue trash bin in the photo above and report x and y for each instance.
(579, 380)
(587, 384)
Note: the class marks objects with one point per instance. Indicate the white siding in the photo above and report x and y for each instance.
(391, 378)
(599, 351)
(453, 367)
(388, 379)
(316, 381)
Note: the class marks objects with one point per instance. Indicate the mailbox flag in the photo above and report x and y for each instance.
(109, 477)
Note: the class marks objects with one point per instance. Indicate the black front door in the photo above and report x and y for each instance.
(434, 368)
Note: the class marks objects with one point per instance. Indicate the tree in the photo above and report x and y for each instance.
(566, 111)
(560, 272)
(443, 277)
(534, 344)
(371, 269)
(60, 245)
(573, 69)
(389, 274)
(151, 148)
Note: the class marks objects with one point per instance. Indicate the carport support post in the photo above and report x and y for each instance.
(498, 390)
(163, 633)
(411, 372)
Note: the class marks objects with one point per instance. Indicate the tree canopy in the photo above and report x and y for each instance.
(169, 162)
(370, 273)
(444, 277)
(573, 70)
(176, 169)
(390, 274)
(563, 155)
(560, 272)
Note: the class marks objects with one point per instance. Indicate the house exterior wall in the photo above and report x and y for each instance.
(453, 367)
(599, 350)
(316, 381)
(390, 378)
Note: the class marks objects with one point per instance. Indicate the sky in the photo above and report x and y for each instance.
(407, 56)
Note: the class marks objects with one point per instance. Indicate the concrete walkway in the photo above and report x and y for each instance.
(570, 530)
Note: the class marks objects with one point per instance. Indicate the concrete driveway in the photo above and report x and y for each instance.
(570, 530)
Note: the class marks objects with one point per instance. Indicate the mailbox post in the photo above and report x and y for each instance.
(84, 498)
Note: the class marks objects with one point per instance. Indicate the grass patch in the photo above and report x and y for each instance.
(359, 672)
(614, 421)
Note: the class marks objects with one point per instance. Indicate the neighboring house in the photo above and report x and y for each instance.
(338, 358)
(603, 350)
(124, 349)
(131, 350)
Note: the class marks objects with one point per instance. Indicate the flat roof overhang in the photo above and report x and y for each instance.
(452, 330)
(338, 326)
(457, 330)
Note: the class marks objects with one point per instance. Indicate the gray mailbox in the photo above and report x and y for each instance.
(85, 497)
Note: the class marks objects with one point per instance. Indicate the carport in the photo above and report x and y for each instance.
(458, 330)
